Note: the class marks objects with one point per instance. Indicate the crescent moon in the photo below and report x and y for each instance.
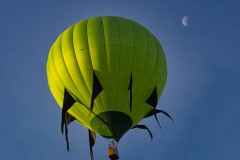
(185, 21)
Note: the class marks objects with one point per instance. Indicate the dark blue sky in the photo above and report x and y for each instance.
(202, 93)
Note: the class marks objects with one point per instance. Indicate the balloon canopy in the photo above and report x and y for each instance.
(107, 73)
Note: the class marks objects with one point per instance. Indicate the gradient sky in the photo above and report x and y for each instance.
(202, 93)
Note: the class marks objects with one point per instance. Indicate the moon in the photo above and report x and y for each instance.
(185, 21)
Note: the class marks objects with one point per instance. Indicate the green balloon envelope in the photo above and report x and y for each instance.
(115, 52)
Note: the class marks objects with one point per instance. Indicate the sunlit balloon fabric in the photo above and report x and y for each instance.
(112, 68)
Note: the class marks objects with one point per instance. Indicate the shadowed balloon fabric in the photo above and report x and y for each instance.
(110, 66)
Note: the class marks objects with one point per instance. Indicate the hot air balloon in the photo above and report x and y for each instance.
(107, 73)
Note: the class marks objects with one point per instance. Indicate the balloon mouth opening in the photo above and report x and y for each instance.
(111, 124)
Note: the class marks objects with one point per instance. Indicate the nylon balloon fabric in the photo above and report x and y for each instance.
(110, 66)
